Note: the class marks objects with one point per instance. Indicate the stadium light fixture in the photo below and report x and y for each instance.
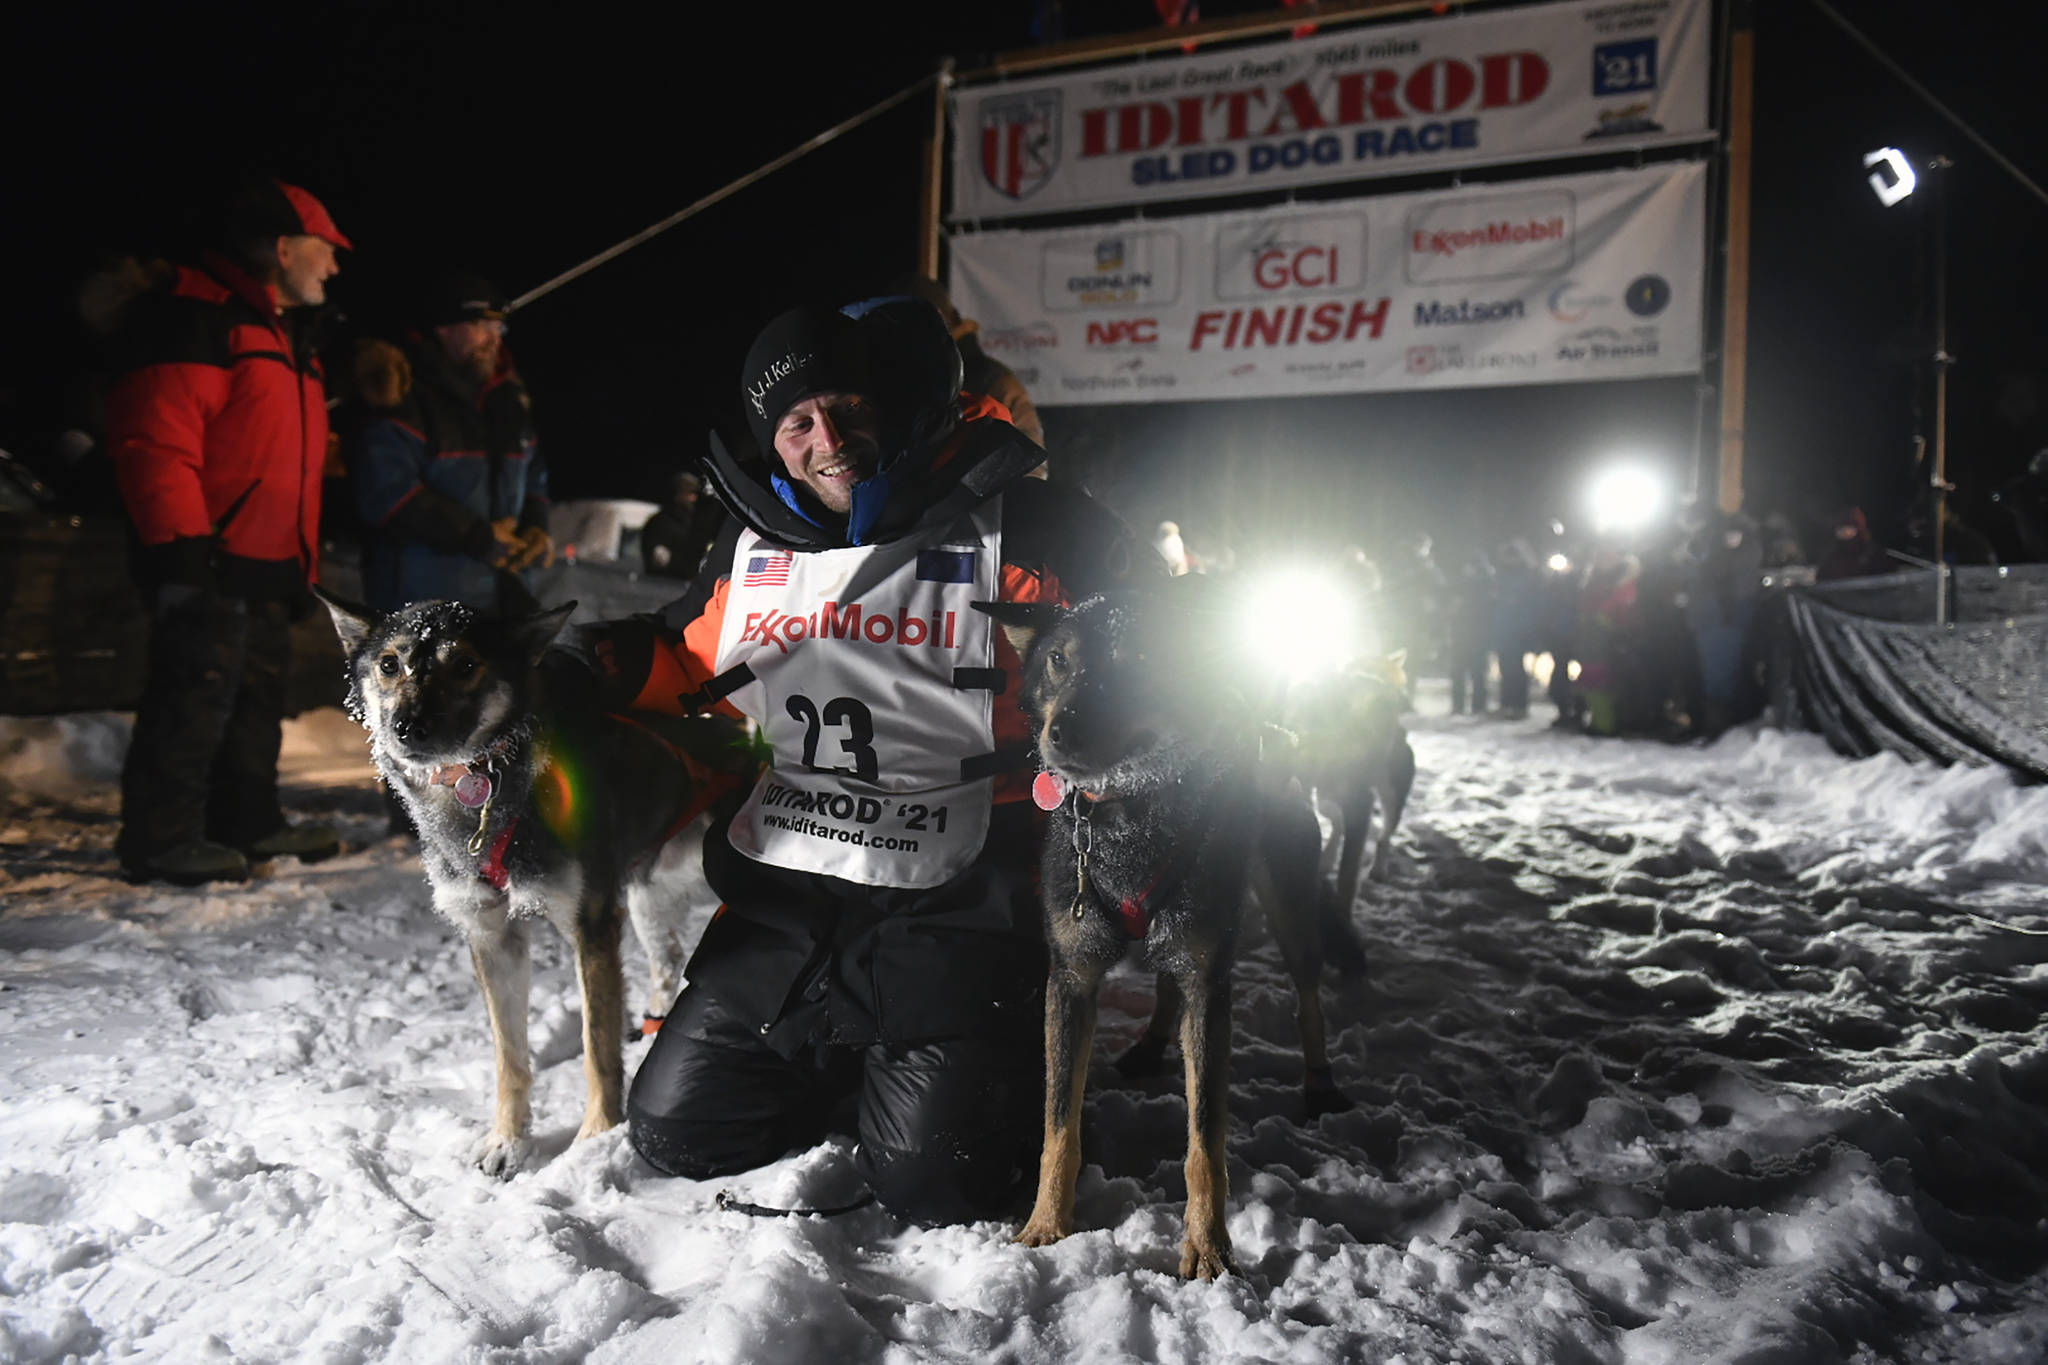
(1891, 175)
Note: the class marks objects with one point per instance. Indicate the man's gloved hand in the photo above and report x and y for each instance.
(534, 547)
(505, 531)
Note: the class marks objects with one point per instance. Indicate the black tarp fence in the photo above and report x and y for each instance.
(1863, 662)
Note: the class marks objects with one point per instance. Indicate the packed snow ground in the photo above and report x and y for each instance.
(1666, 1055)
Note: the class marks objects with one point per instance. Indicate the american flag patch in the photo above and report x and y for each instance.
(767, 571)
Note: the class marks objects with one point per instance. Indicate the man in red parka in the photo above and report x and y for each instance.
(218, 431)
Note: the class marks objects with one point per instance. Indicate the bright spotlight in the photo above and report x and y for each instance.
(1558, 564)
(1894, 179)
(1298, 622)
(1625, 499)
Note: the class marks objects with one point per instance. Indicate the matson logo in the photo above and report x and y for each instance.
(1124, 332)
(1324, 254)
(1437, 313)
(1509, 236)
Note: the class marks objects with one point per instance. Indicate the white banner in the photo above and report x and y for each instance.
(1398, 99)
(1538, 282)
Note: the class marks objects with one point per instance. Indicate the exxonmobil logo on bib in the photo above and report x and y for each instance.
(852, 623)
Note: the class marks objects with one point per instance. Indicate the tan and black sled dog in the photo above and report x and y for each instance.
(532, 803)
(1163, 813)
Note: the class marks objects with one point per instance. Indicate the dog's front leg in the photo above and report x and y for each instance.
(601, 974)
(1069, 1034)
(499, 950)
(1205, 1045)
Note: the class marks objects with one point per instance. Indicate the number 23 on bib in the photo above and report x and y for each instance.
(870, 678)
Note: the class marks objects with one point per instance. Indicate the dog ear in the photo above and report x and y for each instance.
(1021, 621)
(533, 634)
(351, 622)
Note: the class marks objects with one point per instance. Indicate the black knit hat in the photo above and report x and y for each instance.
(804, 352)
(461, 297)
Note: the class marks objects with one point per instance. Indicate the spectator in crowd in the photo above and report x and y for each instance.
(1782, 545)
(447, 468)
(1610, 622)
(906, 972)
(981, 373)
(1173, 551)
(1470, 633)
(674, 541)
(1961, 543)
(1413, 597)
(1517, 607)
(2025, 501)
(1726, 578)
(1852, 551)
(218, 430)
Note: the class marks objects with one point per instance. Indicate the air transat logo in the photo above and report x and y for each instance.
(1020, 142)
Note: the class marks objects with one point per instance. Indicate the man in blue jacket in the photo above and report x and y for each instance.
(447, 468)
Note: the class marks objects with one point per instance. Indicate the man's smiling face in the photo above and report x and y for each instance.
(828, 443)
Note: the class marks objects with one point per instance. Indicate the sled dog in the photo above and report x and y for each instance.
(532, 803)
(1163, 812)
(1355, 755)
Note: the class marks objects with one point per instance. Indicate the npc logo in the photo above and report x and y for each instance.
(1020, 142)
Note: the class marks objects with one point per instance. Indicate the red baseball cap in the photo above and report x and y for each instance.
(314, 220)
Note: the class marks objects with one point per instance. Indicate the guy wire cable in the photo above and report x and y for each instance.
(725, 192)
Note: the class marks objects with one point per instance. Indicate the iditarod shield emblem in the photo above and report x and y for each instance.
(1020, 142)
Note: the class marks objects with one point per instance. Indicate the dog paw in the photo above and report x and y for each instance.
(597, 1121)
(1202, 1259)
(500, 1156)
(1042, 1232)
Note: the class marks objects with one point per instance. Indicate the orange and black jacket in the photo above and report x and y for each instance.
(218, 431)
(1059, 545)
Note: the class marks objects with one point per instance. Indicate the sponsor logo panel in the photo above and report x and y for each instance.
(1499, 237)
(1290, 257)
(1137, 268)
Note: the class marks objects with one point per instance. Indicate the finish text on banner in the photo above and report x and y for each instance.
(1434, 94)
(1546, 281)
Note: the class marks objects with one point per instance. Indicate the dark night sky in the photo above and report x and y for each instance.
(517, 139)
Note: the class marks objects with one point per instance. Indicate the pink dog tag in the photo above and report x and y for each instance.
(472, 789)
(1048, 790)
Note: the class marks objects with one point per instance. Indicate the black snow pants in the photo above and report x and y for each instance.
(924, 1008)
(202, 762)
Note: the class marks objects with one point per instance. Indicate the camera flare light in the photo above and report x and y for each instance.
(1298, 623)
(1625, 499)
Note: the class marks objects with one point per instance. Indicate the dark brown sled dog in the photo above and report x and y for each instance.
(1162, 813)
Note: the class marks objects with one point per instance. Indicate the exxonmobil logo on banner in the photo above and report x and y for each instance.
(1288, 257)
(1492, 237)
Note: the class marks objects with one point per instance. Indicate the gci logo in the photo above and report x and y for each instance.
(1304, 267)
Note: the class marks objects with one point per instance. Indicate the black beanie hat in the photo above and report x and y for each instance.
(804, 352)
(462, 297)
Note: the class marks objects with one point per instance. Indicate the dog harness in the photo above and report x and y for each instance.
(873, 680)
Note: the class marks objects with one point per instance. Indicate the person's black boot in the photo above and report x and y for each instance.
(193, 863)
